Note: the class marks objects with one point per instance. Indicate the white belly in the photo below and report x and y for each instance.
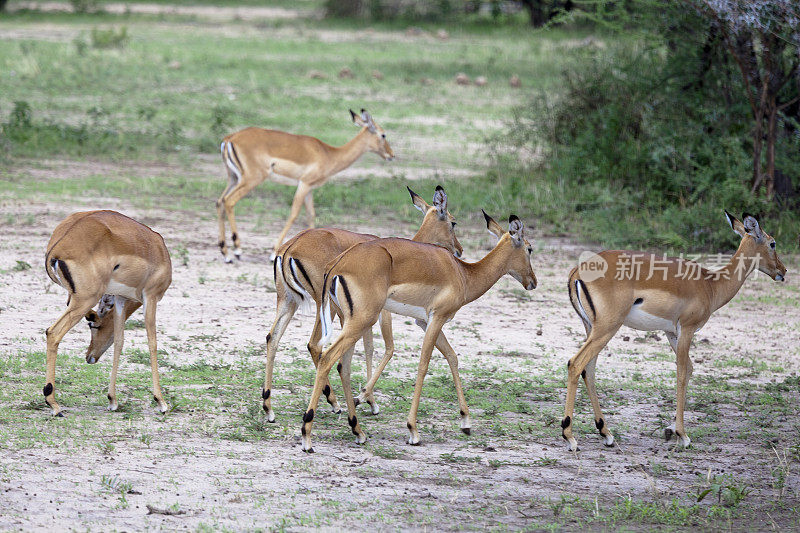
(119, 289)
(638, 319)
(414, 311)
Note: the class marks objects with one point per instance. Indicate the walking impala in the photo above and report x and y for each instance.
(256, 154)
(667, 294)
(413, 279)
(299, 269)
(107, 257)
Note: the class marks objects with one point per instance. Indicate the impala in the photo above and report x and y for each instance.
(651, 293)
(106, 257)
(254, 155)
(299, 269)
(418, 280)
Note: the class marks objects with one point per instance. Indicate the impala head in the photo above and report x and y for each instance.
(101, 324)
(377, 139)
(438, 226)
(520, 263)
(763, 244)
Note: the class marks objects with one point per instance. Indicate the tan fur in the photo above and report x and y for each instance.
(430, 282)
(254, 155)
(106, 253)
(314, 249)
(673, 299)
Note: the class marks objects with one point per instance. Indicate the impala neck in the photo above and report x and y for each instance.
(733, 275)
(479, 277)
(345, 155)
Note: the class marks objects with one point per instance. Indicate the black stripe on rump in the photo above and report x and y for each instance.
(294, 277)
(67, 276)
(236, 157)
(588, 298)
(304, 273)
(347, 294)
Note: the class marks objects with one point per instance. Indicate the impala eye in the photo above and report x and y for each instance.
(383, 135)
(453, 224)
(772, 245)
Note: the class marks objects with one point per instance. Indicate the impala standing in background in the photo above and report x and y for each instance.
(418, 280)
(649, 293)
(107, 257)
(299, 270)
(254, 155)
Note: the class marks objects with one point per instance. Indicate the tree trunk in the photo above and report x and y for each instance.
(535, 11)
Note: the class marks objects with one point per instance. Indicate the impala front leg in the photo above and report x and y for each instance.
(150, 327)
(431, 334)
(683, 375)
(299, 197)
(311, 215)
(119, 338)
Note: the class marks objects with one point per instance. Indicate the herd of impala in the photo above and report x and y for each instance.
(105, 259)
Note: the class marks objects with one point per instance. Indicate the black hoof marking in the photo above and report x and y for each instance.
(599, 424)
(234, 237)
(668, 434)
(303, 430)
(466, 431)
(462, 412)
(339, 368)
(110, 398)
(265, 393)
(310, 450)
(309, 416)
(269, 337)
(409, 426)
(48, 389)
(583, 373)
(327, 390)
(222, 244)
(566, 422)
(357, 402)
(352, 421)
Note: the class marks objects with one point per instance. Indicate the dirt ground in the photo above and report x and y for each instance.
(451, 481)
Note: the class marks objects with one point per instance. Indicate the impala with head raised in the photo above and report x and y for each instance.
(418, 280)
(106, 257)
(254, 155)
(299, 269)
(646, 292)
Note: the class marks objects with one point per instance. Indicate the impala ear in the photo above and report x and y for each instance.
(368, 122)
(516, 229)
(440, 202)
(751, 225)
(357, 120)
(417, 200)
(736, 224)
(493, 227)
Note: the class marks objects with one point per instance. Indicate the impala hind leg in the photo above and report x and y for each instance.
(315, 349)
(77, 308)
(599, 419)
(595, 342)
(366, 395)
(681, 347)
(229, 202)
(344, 374)
(150, 304)
(326, 361)
(283, 315)
(119, 338)
(221, 214)
(299, 197)
(431, 335)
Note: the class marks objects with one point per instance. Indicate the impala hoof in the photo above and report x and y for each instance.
(59, 414)
(310, 450)
(270, 417)
(356, 401)
(572, 445)
(112, 407)
(608, 440)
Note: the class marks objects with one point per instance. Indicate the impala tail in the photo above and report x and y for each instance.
(293, 282)
(325, 309)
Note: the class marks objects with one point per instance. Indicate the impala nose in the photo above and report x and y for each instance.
(91, 360)
(780, 277)
(531, 285)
